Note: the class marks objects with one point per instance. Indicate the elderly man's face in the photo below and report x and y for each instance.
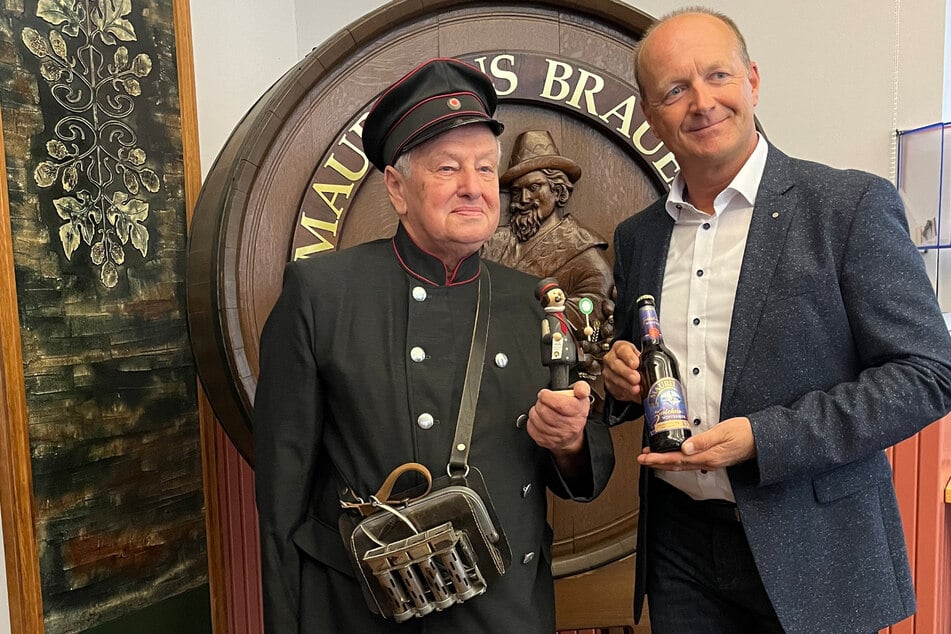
(699, 94)
(532, 201)
(449, 203)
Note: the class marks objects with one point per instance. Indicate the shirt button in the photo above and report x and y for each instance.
(528, 557)
(419, 293)
(679, 207)
(417, 354)
(501, 360)
(704, 472)
(706, 225)
(699, 272)
(425, 420)
(696, 421)
(696, 371)
(696, 321)
(521, 421)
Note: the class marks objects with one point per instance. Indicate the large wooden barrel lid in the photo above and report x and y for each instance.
(292, 182)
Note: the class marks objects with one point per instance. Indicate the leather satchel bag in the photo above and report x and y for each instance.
(419, 554)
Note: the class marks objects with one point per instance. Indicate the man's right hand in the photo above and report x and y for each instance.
(621, 376)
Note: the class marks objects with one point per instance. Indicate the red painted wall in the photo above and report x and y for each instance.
(922, 468)
(239, 539)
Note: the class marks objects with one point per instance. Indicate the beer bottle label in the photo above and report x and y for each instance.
(650, 324)
(664, 407)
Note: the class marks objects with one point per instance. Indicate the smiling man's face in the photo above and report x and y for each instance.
(700, 96)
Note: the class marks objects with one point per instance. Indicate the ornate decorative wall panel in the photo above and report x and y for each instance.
(92, 136)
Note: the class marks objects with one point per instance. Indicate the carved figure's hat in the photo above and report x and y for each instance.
(434, 97)
(535, 150)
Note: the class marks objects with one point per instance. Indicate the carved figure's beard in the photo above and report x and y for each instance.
(524, 223)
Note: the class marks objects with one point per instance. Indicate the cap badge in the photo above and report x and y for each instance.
(453, 103)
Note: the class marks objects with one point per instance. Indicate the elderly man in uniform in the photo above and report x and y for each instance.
(363, 362)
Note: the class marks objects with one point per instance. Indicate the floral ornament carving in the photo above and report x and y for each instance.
(94, 157)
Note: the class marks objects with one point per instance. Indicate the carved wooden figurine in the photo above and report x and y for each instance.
(559, 349)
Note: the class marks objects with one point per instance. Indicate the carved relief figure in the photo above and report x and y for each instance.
(544, 240)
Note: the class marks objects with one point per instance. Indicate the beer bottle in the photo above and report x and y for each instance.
(665, 409)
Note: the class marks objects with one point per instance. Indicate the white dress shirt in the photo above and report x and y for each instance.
(696, 308)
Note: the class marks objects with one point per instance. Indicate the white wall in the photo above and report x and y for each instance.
(316, 21)
(241, 48)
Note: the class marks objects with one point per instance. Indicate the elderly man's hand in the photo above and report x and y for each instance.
(622, 378)
(556, 422)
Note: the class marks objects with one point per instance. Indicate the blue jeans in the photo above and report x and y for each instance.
(701, 577)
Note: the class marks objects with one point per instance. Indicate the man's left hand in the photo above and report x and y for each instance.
(729, 442)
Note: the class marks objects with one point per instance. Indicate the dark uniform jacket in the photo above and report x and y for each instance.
(362, 365)
(837, 350)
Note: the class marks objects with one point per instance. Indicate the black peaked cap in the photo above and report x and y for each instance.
(436, 96)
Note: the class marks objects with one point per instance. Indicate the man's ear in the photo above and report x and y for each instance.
(754, 82)
(395, 189)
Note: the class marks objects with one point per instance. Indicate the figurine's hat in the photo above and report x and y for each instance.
(535, 150)
(545, 285)
(434, 97)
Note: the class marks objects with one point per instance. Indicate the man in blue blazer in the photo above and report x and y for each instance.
(809, 340)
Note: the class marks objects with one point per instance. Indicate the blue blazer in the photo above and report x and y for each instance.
(837, 350)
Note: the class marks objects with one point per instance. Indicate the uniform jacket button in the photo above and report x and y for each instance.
(417, 354)
(501, 360)
(419, 293)
(425, 420)
(528, 557)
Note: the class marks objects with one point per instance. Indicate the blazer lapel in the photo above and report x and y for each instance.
(642, 256)
(773, 213)
(656, 232)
